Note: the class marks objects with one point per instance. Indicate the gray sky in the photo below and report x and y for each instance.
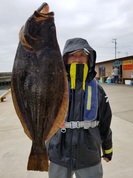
(98, 21)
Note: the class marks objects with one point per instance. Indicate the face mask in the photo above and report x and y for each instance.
(77, 73)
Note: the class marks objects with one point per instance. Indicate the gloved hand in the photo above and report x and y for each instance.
(107, 156)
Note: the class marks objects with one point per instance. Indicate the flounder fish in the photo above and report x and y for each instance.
(39, 84)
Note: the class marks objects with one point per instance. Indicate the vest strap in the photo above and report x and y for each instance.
(78, 124)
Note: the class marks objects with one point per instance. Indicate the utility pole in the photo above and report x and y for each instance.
(114, 41)
(118, 53)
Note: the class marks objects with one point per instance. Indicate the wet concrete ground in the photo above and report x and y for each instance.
(15, 145)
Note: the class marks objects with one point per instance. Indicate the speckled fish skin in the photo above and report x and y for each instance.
(39, 84)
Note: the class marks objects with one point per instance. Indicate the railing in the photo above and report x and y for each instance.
(3, 96)
(5, 78)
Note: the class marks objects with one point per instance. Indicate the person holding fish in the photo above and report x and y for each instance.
(85, 135)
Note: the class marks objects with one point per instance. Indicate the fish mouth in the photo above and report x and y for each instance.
(44, 8)
(42, 13)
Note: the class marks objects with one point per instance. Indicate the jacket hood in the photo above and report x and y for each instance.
(79, 44)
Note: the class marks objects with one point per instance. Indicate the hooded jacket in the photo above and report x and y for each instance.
(80, 148)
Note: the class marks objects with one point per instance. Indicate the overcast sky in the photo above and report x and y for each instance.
(100, 22)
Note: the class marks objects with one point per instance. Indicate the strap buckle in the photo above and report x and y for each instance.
(74, 125)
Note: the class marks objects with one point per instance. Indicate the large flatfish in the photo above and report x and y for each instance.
(39, 84)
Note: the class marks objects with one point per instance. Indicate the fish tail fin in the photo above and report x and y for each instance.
(38, 161)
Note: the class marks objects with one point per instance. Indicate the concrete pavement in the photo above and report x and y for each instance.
(15, 145)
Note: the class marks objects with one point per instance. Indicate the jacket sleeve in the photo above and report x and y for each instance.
(105, 116)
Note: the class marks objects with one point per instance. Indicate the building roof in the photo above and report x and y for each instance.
(117, 59)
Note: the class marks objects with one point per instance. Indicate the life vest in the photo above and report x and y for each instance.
(90, 101)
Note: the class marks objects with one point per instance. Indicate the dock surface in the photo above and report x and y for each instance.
(15, 145)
